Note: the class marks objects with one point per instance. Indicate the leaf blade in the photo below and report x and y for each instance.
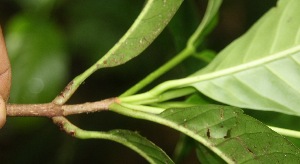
(149, 24)
(233, 136)
(261, 69)
(132, 140)
(144, 147)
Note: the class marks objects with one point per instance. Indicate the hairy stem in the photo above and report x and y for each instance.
(52, 109)
(75, 131)
(69, 90)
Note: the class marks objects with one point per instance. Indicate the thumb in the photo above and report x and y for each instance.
(2, 112)
(5, 79)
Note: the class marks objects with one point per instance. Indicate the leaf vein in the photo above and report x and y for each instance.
(278, 27)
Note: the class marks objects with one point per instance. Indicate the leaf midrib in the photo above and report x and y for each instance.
(246, 66)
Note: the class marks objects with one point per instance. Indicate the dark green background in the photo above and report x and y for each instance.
(50, 42)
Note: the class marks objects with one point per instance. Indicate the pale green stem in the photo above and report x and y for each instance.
(160, 71)
(161, 98)
(142, 108)
(158, 90)
(286, 132)
(74, 84)
(171, 94)
(152, 94)
(174, 104)
(75, 131)
(205, 21)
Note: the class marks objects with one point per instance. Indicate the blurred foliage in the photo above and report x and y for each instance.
(39, 61)
(50, 42)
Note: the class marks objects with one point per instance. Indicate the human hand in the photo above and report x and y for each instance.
(5, 79)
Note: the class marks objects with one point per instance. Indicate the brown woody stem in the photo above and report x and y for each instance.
(52, 110)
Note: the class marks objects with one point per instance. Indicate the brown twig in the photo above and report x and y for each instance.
(52, 109)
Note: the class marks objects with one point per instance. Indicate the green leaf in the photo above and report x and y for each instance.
(141, 145)
(149, 24)
(232, 135)
(260, 70)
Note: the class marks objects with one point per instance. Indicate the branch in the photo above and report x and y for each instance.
(52, 109)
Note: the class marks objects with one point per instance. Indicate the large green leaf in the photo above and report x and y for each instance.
(260, 70)
(232, 135)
